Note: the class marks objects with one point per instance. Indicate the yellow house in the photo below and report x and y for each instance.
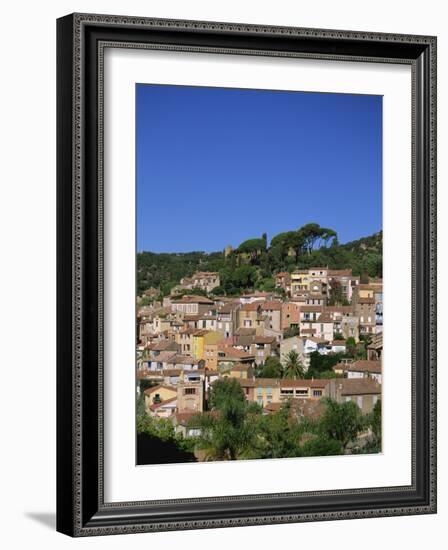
(203, 338)
(366, 291)
(159, 394)
(300, 282)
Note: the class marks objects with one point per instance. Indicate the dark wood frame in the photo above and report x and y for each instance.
(81, 510)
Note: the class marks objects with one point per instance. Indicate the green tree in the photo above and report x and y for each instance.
(253, 248)
(375, 422)
(321, 446)
(218, 291)
(266, 284)
(293, 367)
(320, 364)
(342, 422)
(228, 431)
(272, 368)
(279, 435)
(223, 390)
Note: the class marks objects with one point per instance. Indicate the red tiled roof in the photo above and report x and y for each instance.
(358, 386)
(234, 352)
(366, 300)
(264, 339)
(156, 406)
(324, 318)
(272, 305)
(365, 366)
(340, 272)
(252, 306)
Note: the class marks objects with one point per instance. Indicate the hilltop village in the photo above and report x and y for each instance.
(312, 342)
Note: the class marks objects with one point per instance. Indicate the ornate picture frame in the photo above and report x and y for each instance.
(81, 506)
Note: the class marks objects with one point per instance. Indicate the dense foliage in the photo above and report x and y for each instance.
(235, 428)
(253, 264)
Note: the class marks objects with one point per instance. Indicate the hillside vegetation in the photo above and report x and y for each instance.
(254, 263)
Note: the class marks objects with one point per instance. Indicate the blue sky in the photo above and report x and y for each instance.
(218, 166)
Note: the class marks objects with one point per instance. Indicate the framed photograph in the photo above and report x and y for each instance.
(246, 274)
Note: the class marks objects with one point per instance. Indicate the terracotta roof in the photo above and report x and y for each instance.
(273, 407)
(164, 345)
(201, 332)
(172, 372)
(358, 386)
(340, 272)
(366, 300)
(339, 309)
(191, 317)
(365, 366)
(156, 406)
(252, 306)
(264, 339)
(161, 358)
(228, 308)
(324, 318)
(189, 330)
(272, 305)
(234, 352)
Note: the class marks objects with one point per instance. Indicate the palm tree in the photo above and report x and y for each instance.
(228, 430)
(293, 366)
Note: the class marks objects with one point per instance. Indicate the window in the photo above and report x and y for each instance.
(190, 391)
(317, 393)
(302, 391)
(359, 401)
(259, 391)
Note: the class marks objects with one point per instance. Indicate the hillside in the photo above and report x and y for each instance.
(254, 263)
